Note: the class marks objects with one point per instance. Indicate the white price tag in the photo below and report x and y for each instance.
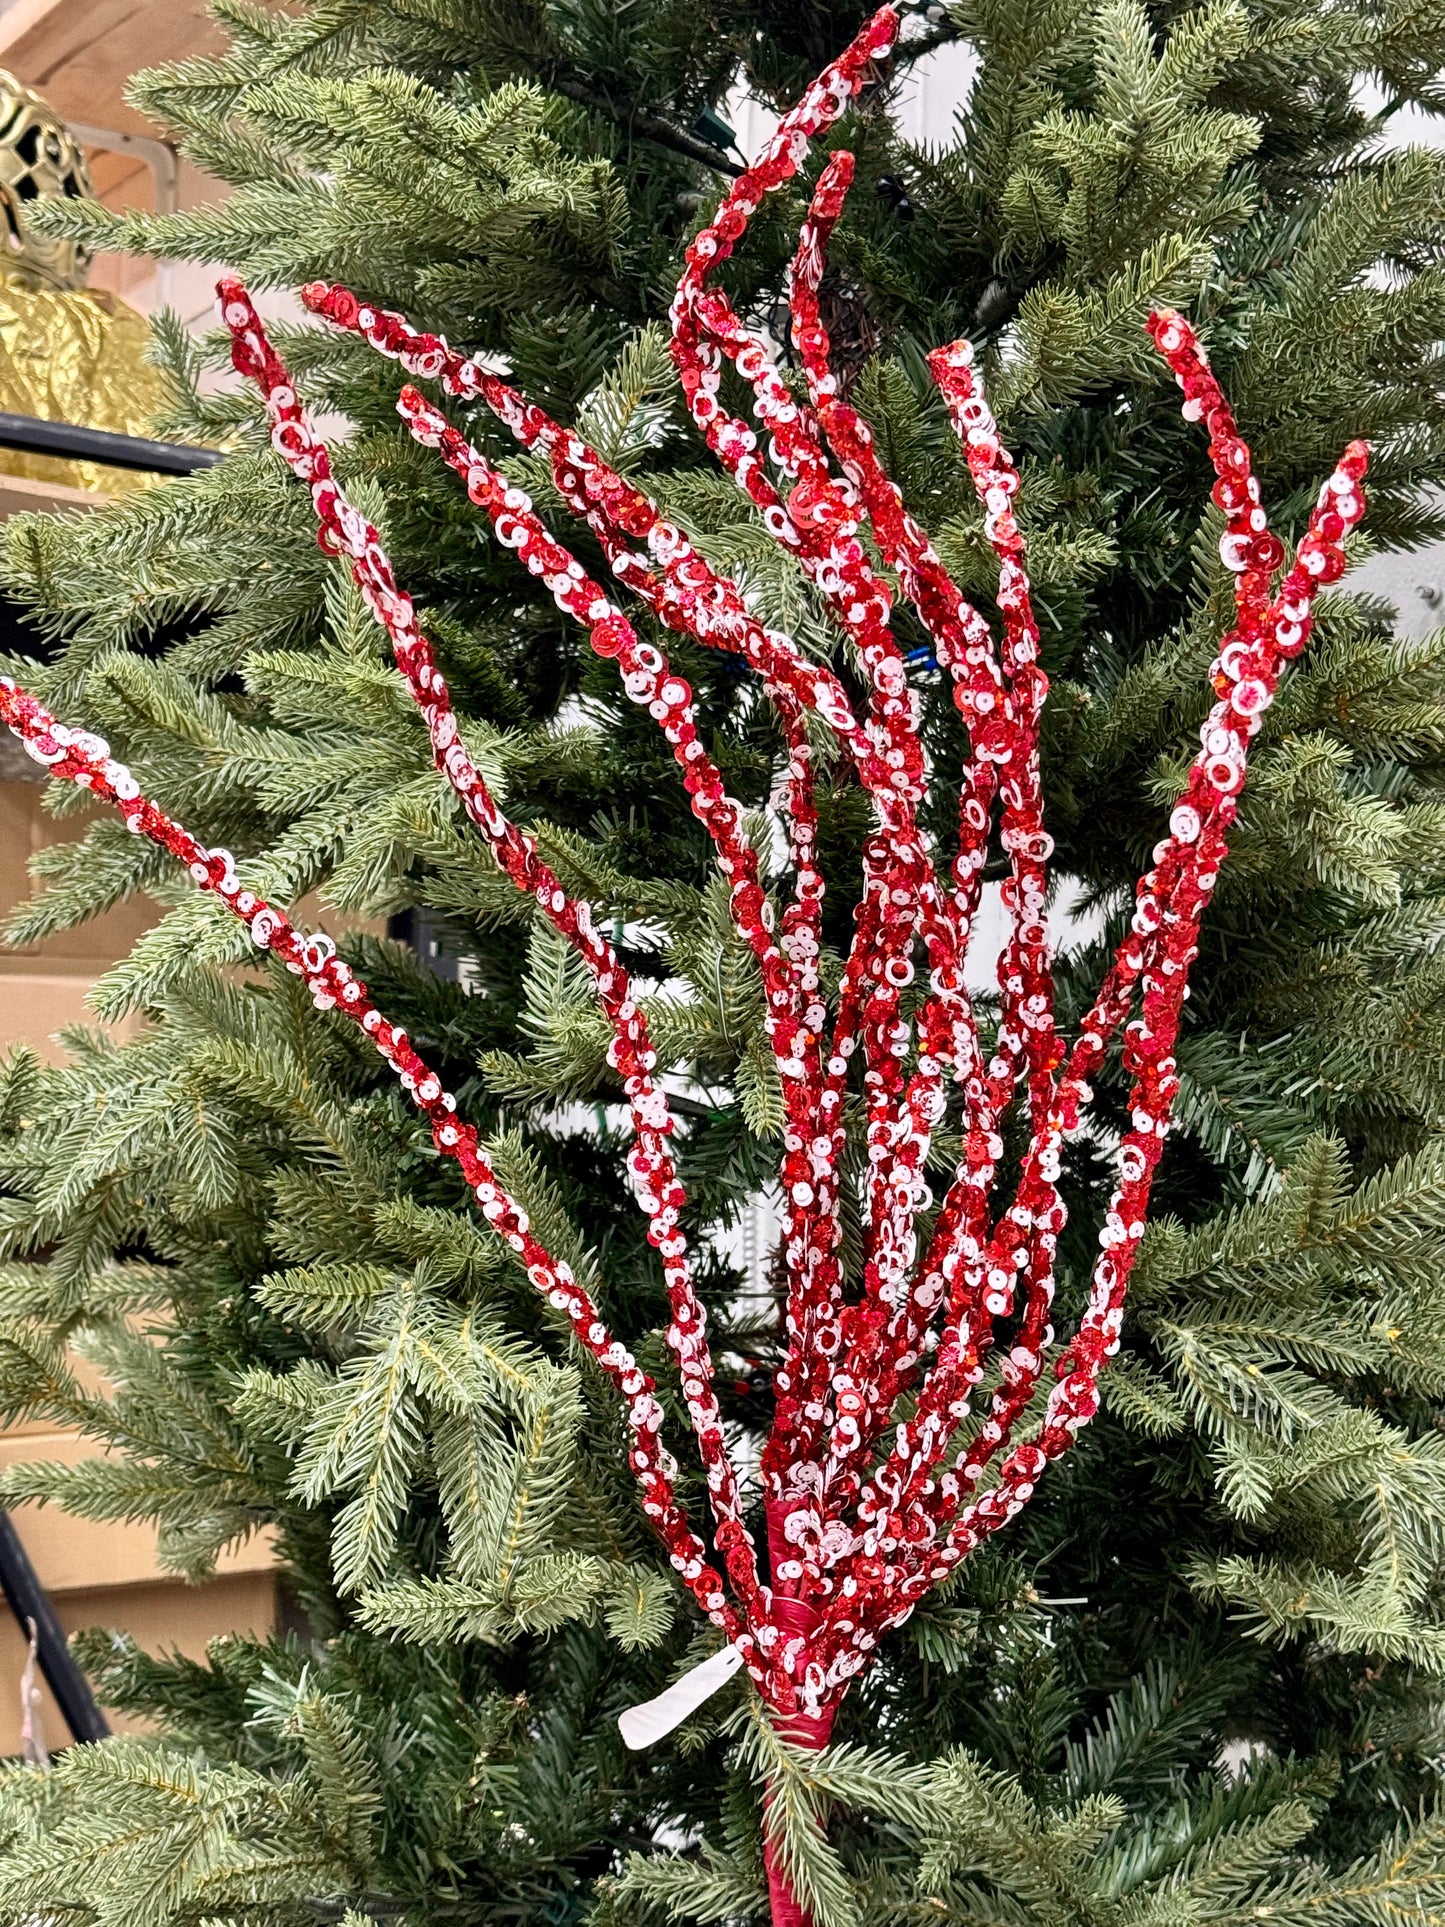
(652, 1721)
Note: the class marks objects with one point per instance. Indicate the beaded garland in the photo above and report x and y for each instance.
(859, 1528)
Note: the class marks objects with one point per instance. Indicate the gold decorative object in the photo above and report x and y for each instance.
(39, 156)
(67, 353)
(75, 356)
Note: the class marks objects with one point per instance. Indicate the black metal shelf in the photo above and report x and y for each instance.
(33, 436)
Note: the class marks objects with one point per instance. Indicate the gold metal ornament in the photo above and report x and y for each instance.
(67, 352)
(39, 157)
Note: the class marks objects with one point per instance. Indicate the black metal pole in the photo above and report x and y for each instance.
(36, 437)
(30, 1604)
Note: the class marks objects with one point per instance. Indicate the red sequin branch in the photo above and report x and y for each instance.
(75, 756)
(865, 1509)
(856, 1536)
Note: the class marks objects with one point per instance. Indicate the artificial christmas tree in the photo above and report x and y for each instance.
(242, 1172)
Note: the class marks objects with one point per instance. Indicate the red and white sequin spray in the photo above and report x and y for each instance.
(861, 1520)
